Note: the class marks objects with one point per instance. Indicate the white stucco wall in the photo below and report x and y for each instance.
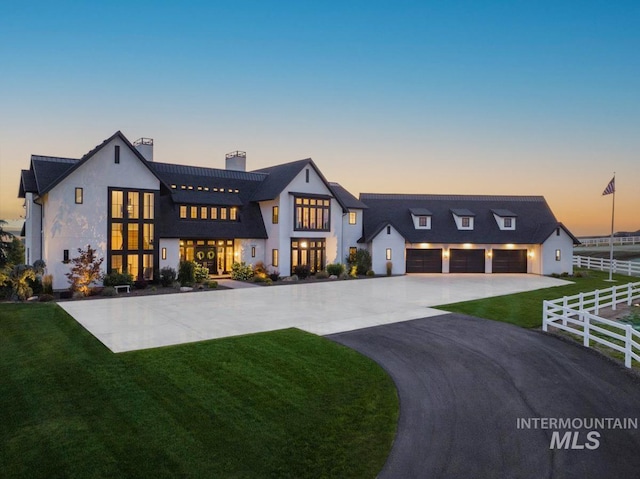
(273, 232)
(32, 230)
(562, 242)
(243, 250)
(378, 249)
(70, 226)
(286, 224)
(173, 253)
(350, 234)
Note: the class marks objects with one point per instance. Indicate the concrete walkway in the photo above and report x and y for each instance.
(126, 324)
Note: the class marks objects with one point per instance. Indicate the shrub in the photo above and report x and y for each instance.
(241, 271)
(187, 273)
(36, 285)
(140, 284)
(19, 278)
(85, 270)
(335, 269)
(302, 271)
(109, 291)
(361, 261)
(117, 279)
(322, 275)
(389, 268)
(354, 271)
(343, 275)
(260, 269)
(275, 276)
(167, 276)
(47, 284)
(201, 273)
(212, 284)
(370, 273)
(176, 285)
(45, 298)
(261, 279)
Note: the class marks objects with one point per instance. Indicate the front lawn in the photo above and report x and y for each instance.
(280, 404)
(525, 309)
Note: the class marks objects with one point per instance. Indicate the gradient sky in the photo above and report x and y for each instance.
(460, 97)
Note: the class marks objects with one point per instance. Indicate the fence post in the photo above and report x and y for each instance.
(614, 303)
(545, 308)
(629, 293)
(585, 320)
(597, 302)
(581, 301)
(628, 346)
(564, 310)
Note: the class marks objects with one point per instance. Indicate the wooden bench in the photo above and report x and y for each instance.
(122, 286)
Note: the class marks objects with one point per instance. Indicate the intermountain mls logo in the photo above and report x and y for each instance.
(576, 433)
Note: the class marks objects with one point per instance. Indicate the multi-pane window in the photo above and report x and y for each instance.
(422, 221)
(312, 214)
(275, 212)
(147, 213)
(183, 211)
(214, 213)
(203, 212)
(206, 212)
(233, 214)
(131, 232)
(274, 257)
(466, 221)
(223, 213)
(194, 212)
(79, 196)
(117, 204)
(353, 217)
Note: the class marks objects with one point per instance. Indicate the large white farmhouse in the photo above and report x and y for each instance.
(142, 215)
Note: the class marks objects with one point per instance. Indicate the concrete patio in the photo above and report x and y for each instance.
(127, 324)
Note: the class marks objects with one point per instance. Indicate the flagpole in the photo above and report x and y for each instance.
(613, 209)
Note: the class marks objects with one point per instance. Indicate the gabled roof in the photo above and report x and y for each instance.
(280, 176)
(49, 170)
(350, 201)
(535, 219)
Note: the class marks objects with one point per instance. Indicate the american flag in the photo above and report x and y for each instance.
(611, 187)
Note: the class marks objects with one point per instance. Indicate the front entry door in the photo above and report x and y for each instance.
(206, 256)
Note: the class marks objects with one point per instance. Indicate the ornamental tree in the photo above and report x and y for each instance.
(85, 270)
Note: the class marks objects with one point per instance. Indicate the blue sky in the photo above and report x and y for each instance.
(397, 96)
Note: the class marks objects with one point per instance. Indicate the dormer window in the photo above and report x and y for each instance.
(421, 218)
(464, 218)
(505, 219)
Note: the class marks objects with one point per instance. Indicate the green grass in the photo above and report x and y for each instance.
(525, 309)
(280, 404)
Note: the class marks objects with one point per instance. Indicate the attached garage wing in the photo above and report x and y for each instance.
(424, 260)
(466, 260)
(509, 261)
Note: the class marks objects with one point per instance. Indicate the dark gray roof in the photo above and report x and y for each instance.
(504, 213)
(348, 200)
(420, 212)
(278, 177)
(27, 183)
(462, 212)
(535, 224)
(249, 224)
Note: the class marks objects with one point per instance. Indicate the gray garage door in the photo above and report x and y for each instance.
(509, 261)
(466, 261)
(424, 260)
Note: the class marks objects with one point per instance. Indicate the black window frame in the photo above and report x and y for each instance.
(299, 207)
(116, 154)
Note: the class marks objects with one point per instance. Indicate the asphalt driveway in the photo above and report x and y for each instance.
(125, 324)
(464, 383)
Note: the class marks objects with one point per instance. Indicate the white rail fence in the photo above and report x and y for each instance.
(578, 315)
(629, 268)
(604, 241)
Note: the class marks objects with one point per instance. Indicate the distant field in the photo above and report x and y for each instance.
(623, 253)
